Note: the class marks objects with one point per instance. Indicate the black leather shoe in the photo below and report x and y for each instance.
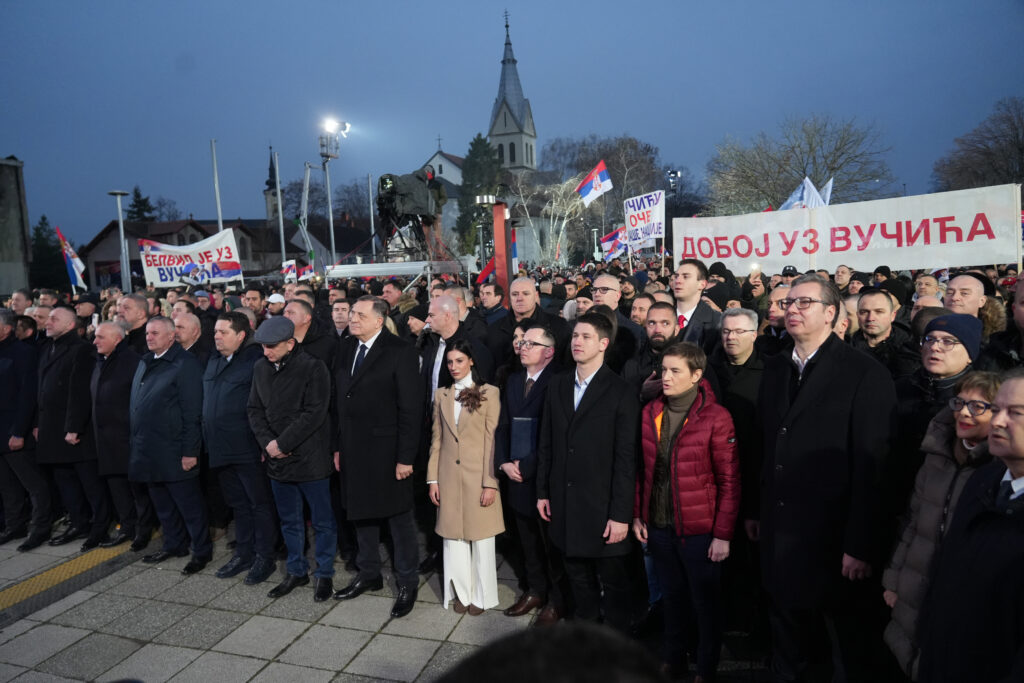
(116, 540)
(404, 602)
(323, 590)
(68, 536)
(161, 555)
(140, 542)
(8, 535)
(34, 540)
(235, 566)
(431, 562)
(262, 569)
(358, 587)
(195, 565)
(289, 584)
(94, 542)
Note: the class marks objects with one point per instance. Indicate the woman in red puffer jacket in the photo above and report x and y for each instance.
(687, 501)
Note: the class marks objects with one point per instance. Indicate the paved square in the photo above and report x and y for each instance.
(220, 668)
(40, 643)
(153, 664)
(262, 637)
(325, 647)
(393, 657)
(89, 657)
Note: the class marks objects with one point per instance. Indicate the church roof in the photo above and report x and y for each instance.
(510, 91)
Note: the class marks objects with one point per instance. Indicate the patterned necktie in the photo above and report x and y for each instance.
(526, 390)
(359, 359)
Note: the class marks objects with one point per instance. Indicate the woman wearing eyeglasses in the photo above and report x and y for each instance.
(948, 347)
(462, 483)
(955, 444)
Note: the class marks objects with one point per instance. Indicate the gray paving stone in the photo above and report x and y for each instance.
(489, 626)
(24, 565)
(148, 620)
(195, 590)
(431, 590)
(16, 629)
(89, 657)
(425, 621)
(446, 657)
(261, 637)
(97, 611)
(40, 677)
(202, 629)
(153, 664)
(366, 613)
(117, 578)
(9, 671)
(242, 598)
(39, 644)
(286, 673)
(149, 583)
(352, 678)
(508, 593)
(62, 605)
(505, 571)
(325, 647)
(378, 658)
(219, 667)
(298, 605)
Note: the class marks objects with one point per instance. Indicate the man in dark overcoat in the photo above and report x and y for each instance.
(24, 515)
(235, 455)
(379, 412)
(166, 404)
(585, 475)
(289, 407)
(64, 433)
(110, 389)
(524, 304)
(515, 454)
(827, 414)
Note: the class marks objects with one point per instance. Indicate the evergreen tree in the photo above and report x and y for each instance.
(47, 267)
(141, 210)
(479, 176)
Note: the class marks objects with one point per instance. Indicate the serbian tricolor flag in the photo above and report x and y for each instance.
(614, 243)
(513, 255)
(305, 272)
(288, 269)
(71, 261)
(595, 184)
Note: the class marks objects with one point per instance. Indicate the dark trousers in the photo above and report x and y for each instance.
(132, 505)
(403, 536)
(317, 494)
(246, 489)
(347, 544)
(691, 589)
(182, 513)
(545, 573)
(217, 507)
(25, 491)
(84, 496)
(592, 577)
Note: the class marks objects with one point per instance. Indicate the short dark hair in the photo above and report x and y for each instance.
(694, 356)
(829, 292)
(545, 331)
(25, 321)
(257, 289)
(306, 306)
(188, 304)
(662, 306)
(239, 323)
(645, 295)
(702, 270)
(874, 291)
(600, 322)
(498, 289)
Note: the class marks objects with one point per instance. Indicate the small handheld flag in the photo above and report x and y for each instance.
(595, 184)
(74, 265)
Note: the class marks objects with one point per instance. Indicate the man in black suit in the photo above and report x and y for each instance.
(698, 322)
(515, 453)
(827, 414)
(379, 412)
(586, 474)
(525, 304)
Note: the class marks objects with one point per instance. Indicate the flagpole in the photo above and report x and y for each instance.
(216, 184)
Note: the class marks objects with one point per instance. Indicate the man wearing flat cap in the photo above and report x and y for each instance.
(288, 406)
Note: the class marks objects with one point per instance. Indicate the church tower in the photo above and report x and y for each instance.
(512, 133)
(270, 193)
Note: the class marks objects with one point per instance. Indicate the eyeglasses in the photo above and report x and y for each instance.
(945, 342)
(975, 408)
(735, 333)
(802, 302)
(527, 344)
(604, 290)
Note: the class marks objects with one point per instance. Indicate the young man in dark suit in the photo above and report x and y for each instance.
(585, 478)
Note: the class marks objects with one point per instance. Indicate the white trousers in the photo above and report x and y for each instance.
(470, 573)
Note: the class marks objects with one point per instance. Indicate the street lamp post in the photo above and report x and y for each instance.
(126, 274)
(597, 252)
(329, 147)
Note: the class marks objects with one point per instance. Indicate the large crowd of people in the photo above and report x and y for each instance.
(829, 463)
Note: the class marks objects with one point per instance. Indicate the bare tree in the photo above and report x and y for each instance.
(166, 209)
(551, 208)
(745, 179)
(991, 154)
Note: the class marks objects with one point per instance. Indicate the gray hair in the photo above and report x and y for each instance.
(380, 306)
(447, 304)
(167, 323)
(116, 327)
(7, 317)
(750, 315)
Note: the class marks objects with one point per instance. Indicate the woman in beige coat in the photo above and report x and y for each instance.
(460, 476)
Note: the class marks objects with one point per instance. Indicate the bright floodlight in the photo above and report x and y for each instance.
(331, 126)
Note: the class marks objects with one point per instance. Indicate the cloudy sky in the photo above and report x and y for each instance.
(105, 95)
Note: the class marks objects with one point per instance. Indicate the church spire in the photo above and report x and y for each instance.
(510, 90)
(271, 174)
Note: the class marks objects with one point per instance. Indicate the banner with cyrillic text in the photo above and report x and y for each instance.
(214, 259)
(945, 229)
(645, 218)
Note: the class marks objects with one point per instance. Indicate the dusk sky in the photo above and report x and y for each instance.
(96, 96)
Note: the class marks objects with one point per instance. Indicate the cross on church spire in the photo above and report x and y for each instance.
(506, 25)
(438, 143)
